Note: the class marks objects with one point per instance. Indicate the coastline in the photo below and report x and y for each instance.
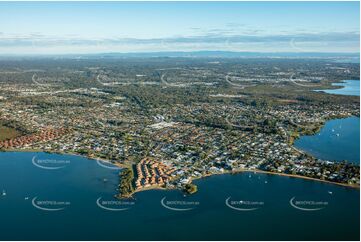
(156, 187)
(352, 186)
(331, 87)
(355, 186)
(67, 153)
(130, 195)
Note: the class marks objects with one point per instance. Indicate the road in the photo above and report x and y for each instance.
(235, 84)
(243, 127)
(33, 78)
(301, 85)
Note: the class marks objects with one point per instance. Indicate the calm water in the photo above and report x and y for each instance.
(79, 182)
(350, 87)
(338, 140)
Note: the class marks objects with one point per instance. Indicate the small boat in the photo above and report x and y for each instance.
(333, 130)
(337, 135)
(329, 192)
(249, 175)
(266, 182)
(4, 193)
(105, 180)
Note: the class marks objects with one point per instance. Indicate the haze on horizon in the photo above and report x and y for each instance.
(98, 27)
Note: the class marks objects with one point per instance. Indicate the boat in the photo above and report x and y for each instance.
(329, 192)
(4, 193)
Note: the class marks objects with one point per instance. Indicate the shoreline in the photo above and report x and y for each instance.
(143, 190)
(355, 186)
(65, 153)
(332, 87)
(352, 186)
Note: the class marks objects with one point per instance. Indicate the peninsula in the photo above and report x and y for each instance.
(169, 121)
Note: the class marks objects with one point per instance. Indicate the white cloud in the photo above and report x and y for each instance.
(212, 39)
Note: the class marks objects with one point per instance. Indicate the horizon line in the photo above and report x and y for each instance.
(180, 52)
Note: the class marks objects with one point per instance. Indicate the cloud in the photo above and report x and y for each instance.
(216, 39)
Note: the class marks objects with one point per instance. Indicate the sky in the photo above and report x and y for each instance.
(103, 27)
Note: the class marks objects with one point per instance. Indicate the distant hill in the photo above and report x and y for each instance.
(223, 54)
(341, 57)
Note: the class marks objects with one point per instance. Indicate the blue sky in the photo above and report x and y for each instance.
(94, 27)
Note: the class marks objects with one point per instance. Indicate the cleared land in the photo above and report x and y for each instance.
(8, 133)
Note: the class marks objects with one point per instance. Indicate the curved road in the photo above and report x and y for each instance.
(38, 83)
(237, 85)
(238, 126)
(302, 85)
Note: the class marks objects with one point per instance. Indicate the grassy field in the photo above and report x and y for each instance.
(7, 133)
